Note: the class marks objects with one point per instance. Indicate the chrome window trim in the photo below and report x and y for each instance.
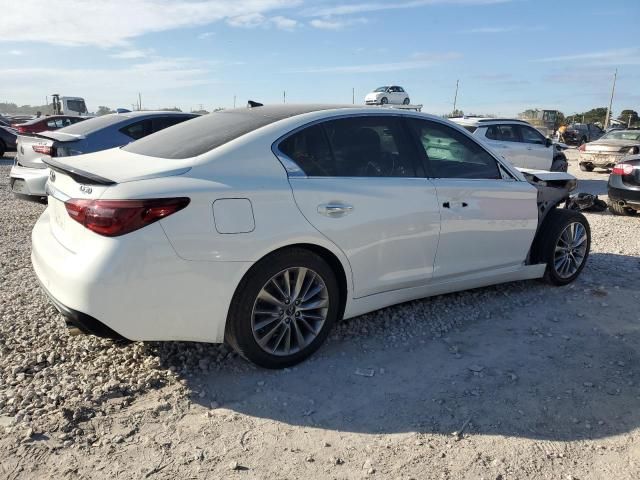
(294, 170)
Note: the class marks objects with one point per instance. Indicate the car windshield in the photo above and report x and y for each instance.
(622, 135)
(381, 89)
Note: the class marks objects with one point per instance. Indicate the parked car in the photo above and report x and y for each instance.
(29, 175)
(392, 94)
(517, 142)
(580, 133)
(609, 150)
(7, 140)
(19, 119)
(264, 226)
(48, 123)
(624, 186)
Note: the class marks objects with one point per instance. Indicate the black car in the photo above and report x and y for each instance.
(624, 186)
(8, 138)
(580, 133)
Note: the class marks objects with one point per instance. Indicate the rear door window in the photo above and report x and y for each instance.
(503, 133)
(161, 123)
(531, 135)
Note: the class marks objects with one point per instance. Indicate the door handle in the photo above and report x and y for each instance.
(455, 204)
(334, 210)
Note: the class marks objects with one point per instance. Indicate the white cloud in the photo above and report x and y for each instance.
(284, 23)
(15, 52)
(166, 80)
(334, 23)
(423, 61)
(349, 9)
(621, 56)
(114, 22)
(133, 53)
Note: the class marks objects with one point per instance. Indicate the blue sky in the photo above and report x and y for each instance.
(508, 54)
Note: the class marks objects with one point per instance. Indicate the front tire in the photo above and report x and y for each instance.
(563, 243)
(384, 101)
(406, 101)
(283, 309)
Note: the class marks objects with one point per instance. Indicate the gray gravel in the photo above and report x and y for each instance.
(152, 404)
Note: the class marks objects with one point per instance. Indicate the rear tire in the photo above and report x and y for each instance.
(384, 101)
(586, 167)
(273, 322)
(620, 210)
(563, 243)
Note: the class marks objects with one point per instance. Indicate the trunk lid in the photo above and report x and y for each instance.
(28, 157)
(609, 146)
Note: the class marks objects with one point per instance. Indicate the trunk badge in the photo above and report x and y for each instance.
(85, 189)
(52, 175)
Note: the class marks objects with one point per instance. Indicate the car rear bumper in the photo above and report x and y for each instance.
(135, 286)
(626, 195)
(29, 183)
(601, 159)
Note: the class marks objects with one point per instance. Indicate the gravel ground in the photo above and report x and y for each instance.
(515, 381)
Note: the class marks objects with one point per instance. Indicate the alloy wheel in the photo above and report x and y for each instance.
(571, 249)
(289, 311)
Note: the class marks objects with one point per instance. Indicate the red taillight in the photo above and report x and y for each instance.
(20, 128)
(622, 169)
(112, 218)
(582, 147)
(44, 149)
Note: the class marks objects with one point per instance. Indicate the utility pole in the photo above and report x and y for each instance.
(455, 98)
(234, 101)
(613, 89)
(284, 96)
(139, 101)
(353, 96)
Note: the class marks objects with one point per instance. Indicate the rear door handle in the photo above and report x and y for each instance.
(334, 209)
(455, 204)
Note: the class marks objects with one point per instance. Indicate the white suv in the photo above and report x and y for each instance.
(390, 94)
(516, 141)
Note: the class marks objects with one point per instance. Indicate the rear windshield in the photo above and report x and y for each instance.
(469, 128)
(623, 135)
(92, 124)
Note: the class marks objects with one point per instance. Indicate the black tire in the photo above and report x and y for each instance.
(239, 332)
(384, 101)
(560, 164)
(406, 101)
(620, 210)
(586, 167)
(3, 149)
(548, 237)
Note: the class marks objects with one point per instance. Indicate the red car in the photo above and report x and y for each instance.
(43, 124)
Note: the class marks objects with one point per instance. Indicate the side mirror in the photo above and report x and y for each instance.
(548, 142)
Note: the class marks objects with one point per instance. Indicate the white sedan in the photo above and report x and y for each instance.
(263, 227)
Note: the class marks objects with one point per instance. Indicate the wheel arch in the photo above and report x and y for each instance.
(341, 270)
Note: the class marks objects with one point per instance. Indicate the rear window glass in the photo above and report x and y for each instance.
(469, 128)
(200, 135)
(93, 124)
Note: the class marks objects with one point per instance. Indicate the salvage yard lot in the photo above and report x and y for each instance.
(536, 381)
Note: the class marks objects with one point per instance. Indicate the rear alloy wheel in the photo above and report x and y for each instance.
(384, 101)
(406, 101)
(563, 243)
(617, 209)
(284, 309)
(586, 167)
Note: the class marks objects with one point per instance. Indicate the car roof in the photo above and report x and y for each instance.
(477, 121)
(140, 113)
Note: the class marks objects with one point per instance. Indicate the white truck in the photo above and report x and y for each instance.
(74, 106)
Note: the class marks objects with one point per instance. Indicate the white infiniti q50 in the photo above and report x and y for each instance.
(263, 227)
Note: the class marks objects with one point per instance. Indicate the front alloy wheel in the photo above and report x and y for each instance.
(571, 250)
(284, 308)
